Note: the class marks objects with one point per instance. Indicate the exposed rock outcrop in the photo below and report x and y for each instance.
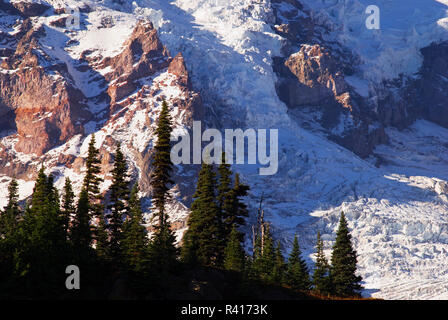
(315, 78)
(143, 55)
(318, 77)
(312, 75)
(431, 89)
(30, 9)
(47, 108)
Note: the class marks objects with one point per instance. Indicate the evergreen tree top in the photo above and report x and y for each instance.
(13, 195)
(343, 262)
(162, 165)
(294, 256)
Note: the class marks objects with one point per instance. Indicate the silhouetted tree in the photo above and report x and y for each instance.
(297, 276)
(345, 282)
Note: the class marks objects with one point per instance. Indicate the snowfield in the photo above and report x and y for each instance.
(398, 213)
(405, 27)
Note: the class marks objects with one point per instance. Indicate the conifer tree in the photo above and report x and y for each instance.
(226, 203)
(254, 271)
(45, 247)
(89, 206)
(278, 273)
(80, 232)
(229, 197)
(162, 247)
(10, 216)
(92, 181)
(224, 185)
(9, 233)
(43, 216)
(234, 253)
(345, 282)
(321, 275)
(134, 240)
(240, 208)
(232, 209)
(102, 245)
(202, 239)
(118, 203)
(264, 259)
(162, 165)
(297, 276)
(163, 253)
(68, 208)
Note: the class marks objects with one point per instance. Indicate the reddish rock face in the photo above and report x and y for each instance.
(318, 74)
(193, 105)
(178, 68)
(39, 101)
(143, 55)
(313, 77)
(46, 107)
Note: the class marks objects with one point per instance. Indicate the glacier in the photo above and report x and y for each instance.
(398, 220)
(398, 212)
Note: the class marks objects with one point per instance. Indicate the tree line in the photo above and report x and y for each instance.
(106, 238)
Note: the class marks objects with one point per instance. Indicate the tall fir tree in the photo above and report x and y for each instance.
(162, 165)
(45, 246)
(344, 280)
(234, 253)
(90, 206)
(102, 245)
(240, 211)
(9, 234)
(233, 209)
(297, 274)
(118, 203)
(92, 180)
(224, 184)
(68, 207)
(278, 274)
(202, 240)
(252, 267)
(225, 200)
(9, 218)
(162, 248)
(321, 275)
(80, 231)
(264, 256)
(134, 240)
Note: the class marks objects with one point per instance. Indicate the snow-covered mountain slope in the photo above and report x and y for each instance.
(397, 211)
(405, 27)
(397, 217)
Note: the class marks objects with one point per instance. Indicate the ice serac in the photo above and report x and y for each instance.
(307, 68)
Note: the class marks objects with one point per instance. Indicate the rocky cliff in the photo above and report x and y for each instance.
(361, 114)
(48, 111)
